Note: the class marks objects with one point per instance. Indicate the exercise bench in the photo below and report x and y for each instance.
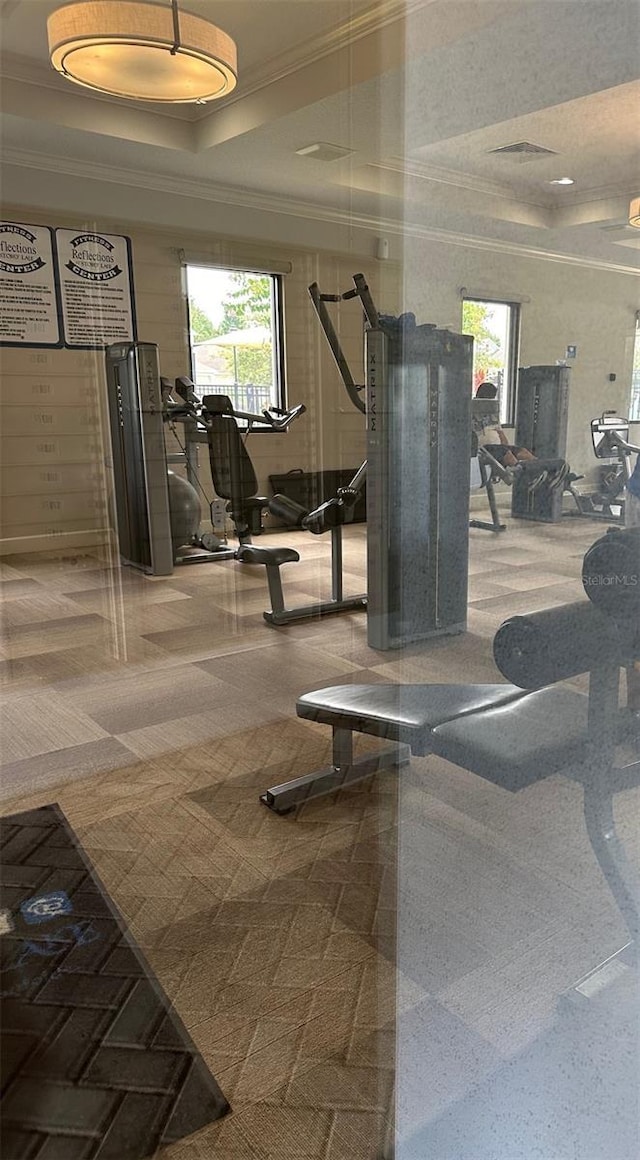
(518, 733)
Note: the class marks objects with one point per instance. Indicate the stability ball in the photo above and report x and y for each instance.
(184, 507)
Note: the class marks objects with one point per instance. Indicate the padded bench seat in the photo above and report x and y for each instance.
(508, 736)
(405, 713)
(249, 554)
(520, 742)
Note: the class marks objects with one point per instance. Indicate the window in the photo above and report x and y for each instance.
(634, 406)
(495, 327)
(236, 336)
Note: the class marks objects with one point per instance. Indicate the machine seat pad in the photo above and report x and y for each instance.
(406, 713)
(248, 554)
(521, 742)
(249, 503)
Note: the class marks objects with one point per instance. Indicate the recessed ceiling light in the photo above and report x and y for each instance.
(562, 181)
(324, 151)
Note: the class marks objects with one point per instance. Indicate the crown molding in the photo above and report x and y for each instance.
(292, 60)
(597, 193)
(318, 47)
(462, 180)
(458, 179)
(270, 203)
(497, 246)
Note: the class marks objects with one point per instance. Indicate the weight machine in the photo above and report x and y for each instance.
(485, 469)
(542, 410)
(158, 512)
(541, 426)
(610, 438)
(329, 516)
(418, 396)
(234, 479)
(534, 480)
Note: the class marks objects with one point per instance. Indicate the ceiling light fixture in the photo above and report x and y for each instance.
(634, 213)
(562, 181)
(143, 52)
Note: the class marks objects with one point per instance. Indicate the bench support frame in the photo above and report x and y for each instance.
(280, 614)
(343, 772)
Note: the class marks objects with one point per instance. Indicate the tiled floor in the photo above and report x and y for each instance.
(155, 711)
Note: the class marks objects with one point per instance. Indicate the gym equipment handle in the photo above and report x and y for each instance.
(279, 419)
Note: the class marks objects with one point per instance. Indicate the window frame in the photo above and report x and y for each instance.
(634, 386)
(279, 393)
(513, 347)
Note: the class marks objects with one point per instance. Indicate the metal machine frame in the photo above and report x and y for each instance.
(138, 411)
(488, 468)
(140, 403)
(542, 410)
(610, 438)
(139, 457)
(337, 510)
(418, 400)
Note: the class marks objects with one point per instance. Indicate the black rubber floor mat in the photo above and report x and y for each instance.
(95, 1063)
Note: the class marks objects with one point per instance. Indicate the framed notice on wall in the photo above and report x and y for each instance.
(29, 306)
(96, 288)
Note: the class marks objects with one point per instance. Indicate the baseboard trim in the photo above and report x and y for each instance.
(60, 541)
(480, 503)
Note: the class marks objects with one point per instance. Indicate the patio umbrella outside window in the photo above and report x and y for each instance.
(251, 336)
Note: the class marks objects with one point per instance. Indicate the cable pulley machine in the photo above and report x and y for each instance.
(159, 512)
(417, 400)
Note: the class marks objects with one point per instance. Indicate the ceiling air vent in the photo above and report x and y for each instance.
(324, 151)
(522, 151)
(622, 234)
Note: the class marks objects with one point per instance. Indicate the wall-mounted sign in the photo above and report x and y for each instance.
(96, 288)
(572, 352)
(28, 301)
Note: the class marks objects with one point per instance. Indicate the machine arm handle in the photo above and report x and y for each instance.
(350, 493)
(174, 411)
(632, 448)
(627, 449)
(186, 390)
(497, 468)
(279, 419)
(351, 386)
(368, 305)
(273, 417)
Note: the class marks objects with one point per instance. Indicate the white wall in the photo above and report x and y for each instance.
(55, 483)
(152, 207)
(562, 304)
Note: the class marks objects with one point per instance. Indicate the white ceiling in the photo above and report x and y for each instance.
(262, 29)
(594, 139)
(419, 90)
